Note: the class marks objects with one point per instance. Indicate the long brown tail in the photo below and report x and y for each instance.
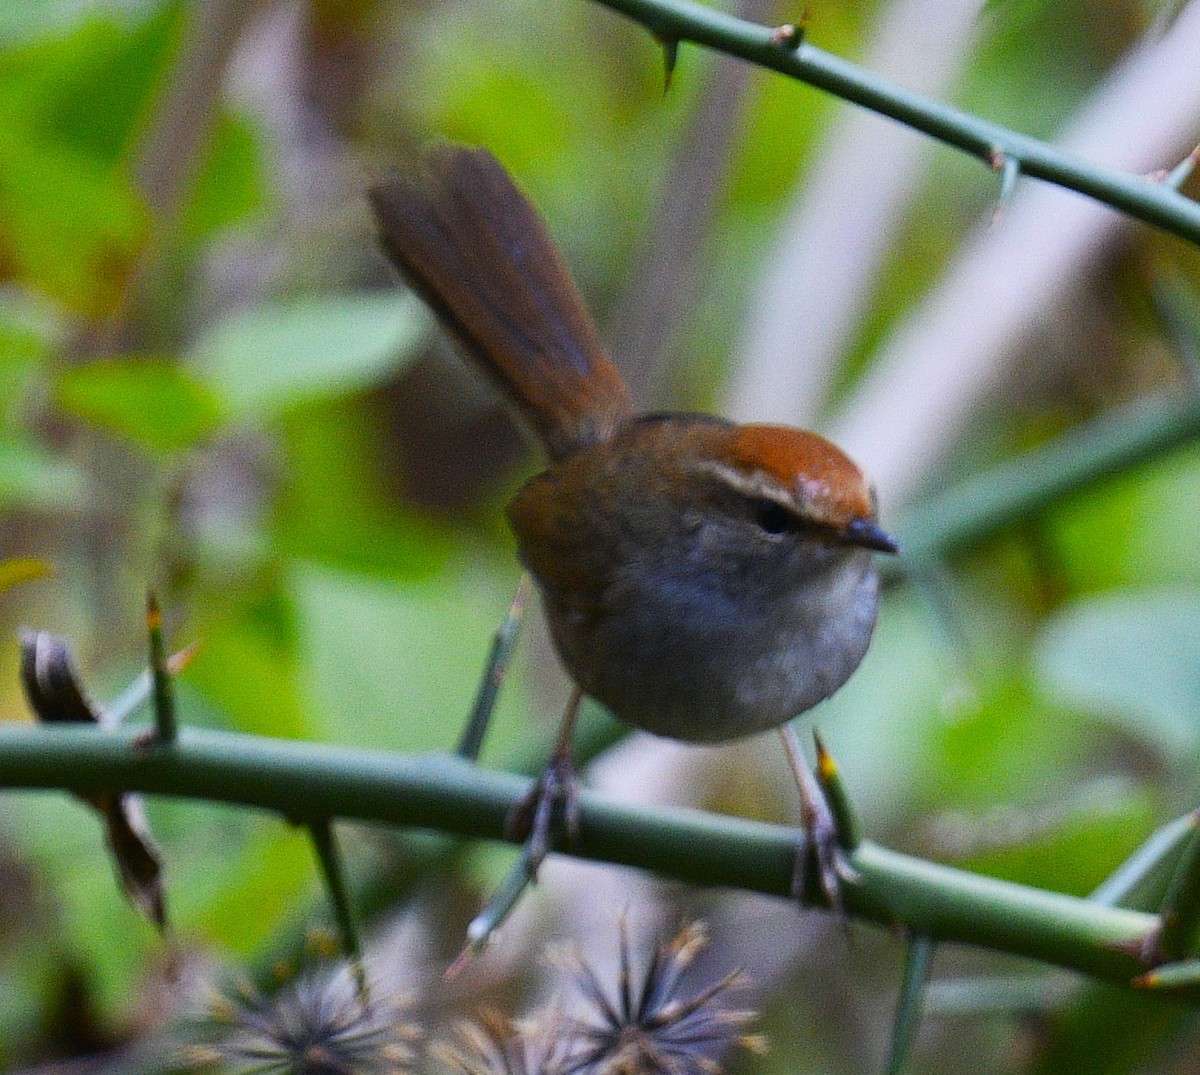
(470, 243)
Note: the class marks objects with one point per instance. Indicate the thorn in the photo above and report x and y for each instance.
(1179, 174)
(830, 779)
(1184, 974)
(789, 36)
(670, 47)
(153, 613)
(1131, 883)
(827, 768)
(1009, 168)
(821, 845)
(329, 858)
(460, 961)
(180, 660)
(495, 670)
(493, 914)
(917, 962)
(165, 725)
(1179, 912)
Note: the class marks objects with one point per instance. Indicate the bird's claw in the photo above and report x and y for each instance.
(531, 819)
(822, 844)
(820, 848)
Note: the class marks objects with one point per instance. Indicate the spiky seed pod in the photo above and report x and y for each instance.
(493, 1044)
(319, 1024)
(653, 1025)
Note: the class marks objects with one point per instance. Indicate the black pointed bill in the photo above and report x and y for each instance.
(870, 535)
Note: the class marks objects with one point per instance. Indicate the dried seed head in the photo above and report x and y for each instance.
(493, 1044)
(650, 1024)
(318, 1024)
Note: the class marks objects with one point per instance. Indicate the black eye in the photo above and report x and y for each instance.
(772, 517)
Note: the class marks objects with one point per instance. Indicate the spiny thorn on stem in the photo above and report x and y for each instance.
(493, 914)
(1009, 168)
(166, 728)
(333, 875)
(670, 47)
(180, 659)
(1179, 914)
(1178, 175)
(1184, 974)
(495, 670)
(791, 34)
(830, 779)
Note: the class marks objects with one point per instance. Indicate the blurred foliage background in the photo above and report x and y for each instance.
(213, 385)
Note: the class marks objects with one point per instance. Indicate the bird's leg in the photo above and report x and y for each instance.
(822, 845)
(532, 819)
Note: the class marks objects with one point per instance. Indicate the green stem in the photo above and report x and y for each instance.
(1180, 909)
(302, 780)
(165, 725)
(1022, 487)
(330, 859)
(683, 20)
(917, 962)
(1137, 881)
(503, 643)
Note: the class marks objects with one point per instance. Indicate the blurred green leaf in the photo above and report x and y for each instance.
(30, 328)
(151, 402)
(96, 930)
(232, 185)
(1132, 657)
(335, 505)
(24, 20)
(20, 352)
(1005, 745)
(246, 896)
(1070, 846)
(31, 477)
(89, 89)
(1165, 549)
(396, 666)
(880, 727)
(276, 356)
(19, 569)
(27, 983)
(1114, 508)
(71, 220)
(1109, 1029)
(70, 227)
(250, 678)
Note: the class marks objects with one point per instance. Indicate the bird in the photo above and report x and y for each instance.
(703, 580)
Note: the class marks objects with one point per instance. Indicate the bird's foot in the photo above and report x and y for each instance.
(820, 855)
(532, 819)
(823, 850)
